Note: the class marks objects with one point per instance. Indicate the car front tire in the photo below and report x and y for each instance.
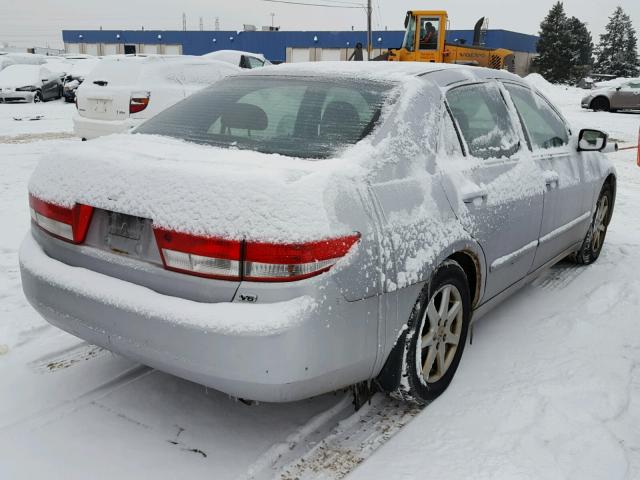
(600, 104)
(594, 239)
(427, 356)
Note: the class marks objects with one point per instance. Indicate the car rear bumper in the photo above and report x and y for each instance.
(90, 128)
(277, 352)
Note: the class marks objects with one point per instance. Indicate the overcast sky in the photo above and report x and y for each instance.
(39, 22)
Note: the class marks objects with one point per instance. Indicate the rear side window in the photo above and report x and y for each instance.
(544, 126)
(254, 62)
(304, 117)
(484, 121)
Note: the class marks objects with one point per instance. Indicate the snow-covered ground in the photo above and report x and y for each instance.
(549, 389)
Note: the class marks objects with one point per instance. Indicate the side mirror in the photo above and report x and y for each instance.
(618, 89)
(45, 80)
(592, 140)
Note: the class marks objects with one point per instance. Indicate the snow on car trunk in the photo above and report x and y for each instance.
(197, 189)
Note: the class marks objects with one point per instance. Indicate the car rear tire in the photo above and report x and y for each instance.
(594, 240)
(600, 104)
(37, 98)
(427, 355)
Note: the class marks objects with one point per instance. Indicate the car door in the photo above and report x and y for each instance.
(567, 209)
(496, 191)
(49, 83)
(627, 96)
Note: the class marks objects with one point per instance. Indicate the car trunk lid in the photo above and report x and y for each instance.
(106, 92)
(141, 186)
(104, 102)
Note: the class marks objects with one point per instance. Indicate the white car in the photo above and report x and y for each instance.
(29, 83)
(80, 68)
(123, 91)
(239, 58)
(26, 58)
(5, 62)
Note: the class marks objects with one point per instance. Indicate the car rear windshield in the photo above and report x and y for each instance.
(116, 72)
(20, 75)
(299, 117)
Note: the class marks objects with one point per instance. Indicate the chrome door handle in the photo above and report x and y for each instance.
(551, 179)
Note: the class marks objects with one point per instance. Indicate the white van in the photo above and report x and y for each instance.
(122, 91)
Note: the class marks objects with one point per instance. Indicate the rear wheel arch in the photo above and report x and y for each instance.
(389, 377)
(612, 182)
(471, 266)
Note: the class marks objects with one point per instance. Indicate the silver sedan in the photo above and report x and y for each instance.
(297, 230)
(622, 97)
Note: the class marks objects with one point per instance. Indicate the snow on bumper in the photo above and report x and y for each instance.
(90, 128)
(255, 351)
(16, 96)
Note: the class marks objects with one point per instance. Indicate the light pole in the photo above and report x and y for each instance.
(368, 29)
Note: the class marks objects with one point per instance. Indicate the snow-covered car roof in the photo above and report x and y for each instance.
(83, 68)
(159, 69)
(232, 56)
(381, 71)
(59, 66)
(27, 58)
(21, 75)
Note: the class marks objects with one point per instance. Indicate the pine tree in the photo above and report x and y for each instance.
(581, 49)
(554, 62)
(617, 51)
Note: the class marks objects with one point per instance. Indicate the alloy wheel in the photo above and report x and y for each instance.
(441, 331)
(599, 223)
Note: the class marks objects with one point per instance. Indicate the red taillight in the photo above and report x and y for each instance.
(70, 224)
(202, 256)
(272, 262)
(244, 260)
(139, 101)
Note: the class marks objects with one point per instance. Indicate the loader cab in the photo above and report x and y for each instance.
(424, 37)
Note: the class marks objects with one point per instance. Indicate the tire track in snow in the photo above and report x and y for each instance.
(45, 417)
(335, 442)
(56, 361)
(558, 276)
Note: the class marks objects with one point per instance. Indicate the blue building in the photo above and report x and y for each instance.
(277, 46)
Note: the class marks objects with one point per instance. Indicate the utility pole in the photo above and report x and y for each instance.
(217, 24)
(369, 43)
(184, 22)
(272, 16)
(201, 24)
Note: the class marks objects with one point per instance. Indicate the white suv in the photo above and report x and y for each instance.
(123, 91)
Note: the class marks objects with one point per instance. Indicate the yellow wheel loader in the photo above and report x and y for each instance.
(424, 41)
